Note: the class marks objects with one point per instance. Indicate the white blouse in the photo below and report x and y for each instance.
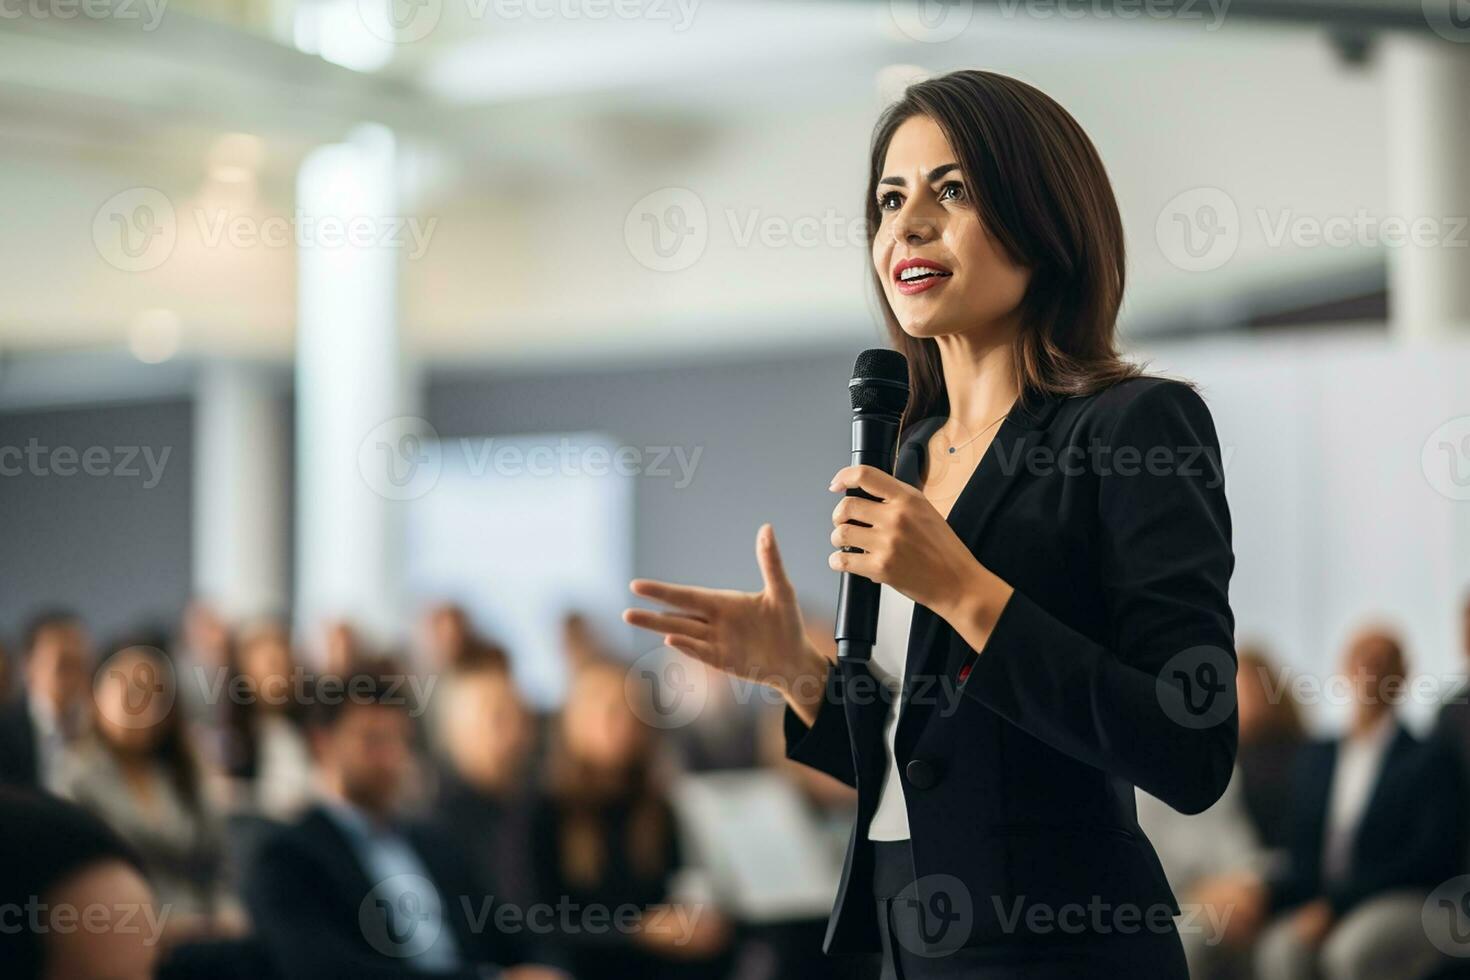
(895, 613)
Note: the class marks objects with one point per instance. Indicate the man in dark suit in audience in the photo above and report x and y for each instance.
(348, 891)
(1376, 826)
(48, 711)
(1452, 725)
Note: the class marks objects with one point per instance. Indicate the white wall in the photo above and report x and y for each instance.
(540, 257)
(1339, 519)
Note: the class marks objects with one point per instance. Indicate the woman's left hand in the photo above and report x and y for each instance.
(907, 544)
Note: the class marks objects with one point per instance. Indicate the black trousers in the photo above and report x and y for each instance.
(1147, 955)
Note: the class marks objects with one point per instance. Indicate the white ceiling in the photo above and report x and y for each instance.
(531, 140)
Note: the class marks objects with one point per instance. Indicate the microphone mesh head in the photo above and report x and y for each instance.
(880, 381)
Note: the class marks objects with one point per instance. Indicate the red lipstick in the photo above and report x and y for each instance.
(926, 275)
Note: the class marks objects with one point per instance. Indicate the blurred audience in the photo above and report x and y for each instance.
(1314, 864)
(726, 732)
(1216, 860)
(6, 672)
(265, 752)
(203, 651)
(1452, 724)
(449, 639)
(1378, 822)
(605, 841)
(485, 737)
(80, 890)
(351, 891)
(342, 648)
(1271, 736)
(138, 772)
(49, 711)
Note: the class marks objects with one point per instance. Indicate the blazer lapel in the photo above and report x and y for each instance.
(982, 494)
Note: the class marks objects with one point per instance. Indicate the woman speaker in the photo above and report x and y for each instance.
(1054, 556)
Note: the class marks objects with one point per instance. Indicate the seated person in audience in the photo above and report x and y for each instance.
(201, 654)
(1216, 860)
(449, 640)
(795, 946)
(139, 773)
(1271, 735)
(1215, 863)
(726, 732)
(484, 737)
(605, 842)
(1452, 724)
(1377, 825)
(48, 711)
(266, 755)
(348, 891)
(76, 892)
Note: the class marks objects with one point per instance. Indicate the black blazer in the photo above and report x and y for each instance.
(1409, 835)
(19, 762)
(1107, 515)
(305, 890)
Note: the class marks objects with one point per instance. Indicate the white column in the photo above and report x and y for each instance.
(348, 386)
(1428, 87)
(240, 491)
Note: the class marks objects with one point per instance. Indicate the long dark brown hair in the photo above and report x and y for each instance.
(584, 793)
(1042, 193)
(173, 749)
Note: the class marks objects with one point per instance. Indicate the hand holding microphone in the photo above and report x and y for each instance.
(887, 532)
(760, 636)
(904, 541)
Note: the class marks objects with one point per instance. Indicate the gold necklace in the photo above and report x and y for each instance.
(953, 447)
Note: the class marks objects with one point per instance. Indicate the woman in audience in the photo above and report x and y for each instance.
(485, 734)
(1271, 735)
(138, 773)
(605, 844)
(266, 755)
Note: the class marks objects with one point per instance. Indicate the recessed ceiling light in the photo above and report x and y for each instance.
(154, 335)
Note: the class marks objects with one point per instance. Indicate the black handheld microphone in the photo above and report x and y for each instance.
(879, 390)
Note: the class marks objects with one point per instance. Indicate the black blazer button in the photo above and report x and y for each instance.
(922, 773)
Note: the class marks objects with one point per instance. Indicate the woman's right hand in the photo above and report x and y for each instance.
(758, 636)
